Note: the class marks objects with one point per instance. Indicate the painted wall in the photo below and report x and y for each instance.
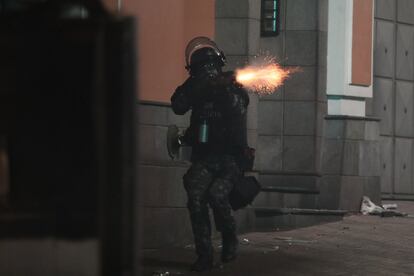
(164, 28)
(348, 75)
(362, 43)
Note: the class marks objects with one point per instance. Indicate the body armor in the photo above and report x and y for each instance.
(218, 115)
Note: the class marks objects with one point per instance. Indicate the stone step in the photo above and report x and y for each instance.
(274, 219)
(285, 200)
(290, 190)
(269, 212)
(289, 184)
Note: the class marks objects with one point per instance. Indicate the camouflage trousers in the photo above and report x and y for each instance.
(209, 182)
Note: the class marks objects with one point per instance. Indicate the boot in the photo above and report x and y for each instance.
(230, 246)
(203, 263)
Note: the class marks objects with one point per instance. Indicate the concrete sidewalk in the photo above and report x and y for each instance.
(358, 245)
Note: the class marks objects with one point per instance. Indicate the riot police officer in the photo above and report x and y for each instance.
(217, 134)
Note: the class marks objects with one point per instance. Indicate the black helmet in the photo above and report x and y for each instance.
(201, 51)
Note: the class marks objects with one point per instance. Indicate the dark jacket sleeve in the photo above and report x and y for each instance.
(238, 100)
(237, 103)
(181, 100)
(234, 95)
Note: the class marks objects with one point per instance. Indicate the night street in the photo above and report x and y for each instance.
(214, 137)
(358, 245)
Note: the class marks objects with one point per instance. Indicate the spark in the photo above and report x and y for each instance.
(264, 76)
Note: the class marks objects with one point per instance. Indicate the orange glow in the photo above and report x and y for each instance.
(264, 77)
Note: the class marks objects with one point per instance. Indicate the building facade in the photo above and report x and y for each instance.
(339, 129)
(317, 138)
(393, 95)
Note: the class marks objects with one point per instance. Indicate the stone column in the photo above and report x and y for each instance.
(350, 162)
(350, 150)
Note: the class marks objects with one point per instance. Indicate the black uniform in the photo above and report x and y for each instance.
(220, 104)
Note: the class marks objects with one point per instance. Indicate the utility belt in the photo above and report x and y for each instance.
(213, 143)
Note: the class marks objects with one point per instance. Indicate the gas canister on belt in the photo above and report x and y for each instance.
(203, 132)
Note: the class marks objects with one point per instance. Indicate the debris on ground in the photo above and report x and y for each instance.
(264, 247)
(387, 210)
(392, 213)
(283, 238)
(189, 246)
(245, 241)
(166, 273)
(390, 206)
(370, 208)
(161, 273)
(291, 240)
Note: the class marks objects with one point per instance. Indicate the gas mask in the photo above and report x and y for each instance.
(206, 71)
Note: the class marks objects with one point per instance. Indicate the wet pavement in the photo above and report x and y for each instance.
(358, 245)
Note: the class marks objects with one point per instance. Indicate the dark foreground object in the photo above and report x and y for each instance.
(67, 103)
(358, 245)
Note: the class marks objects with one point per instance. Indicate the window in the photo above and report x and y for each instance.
(270, 17)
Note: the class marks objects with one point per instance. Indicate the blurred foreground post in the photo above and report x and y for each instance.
(67, 138)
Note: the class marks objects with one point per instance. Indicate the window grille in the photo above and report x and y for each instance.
(270, 17)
